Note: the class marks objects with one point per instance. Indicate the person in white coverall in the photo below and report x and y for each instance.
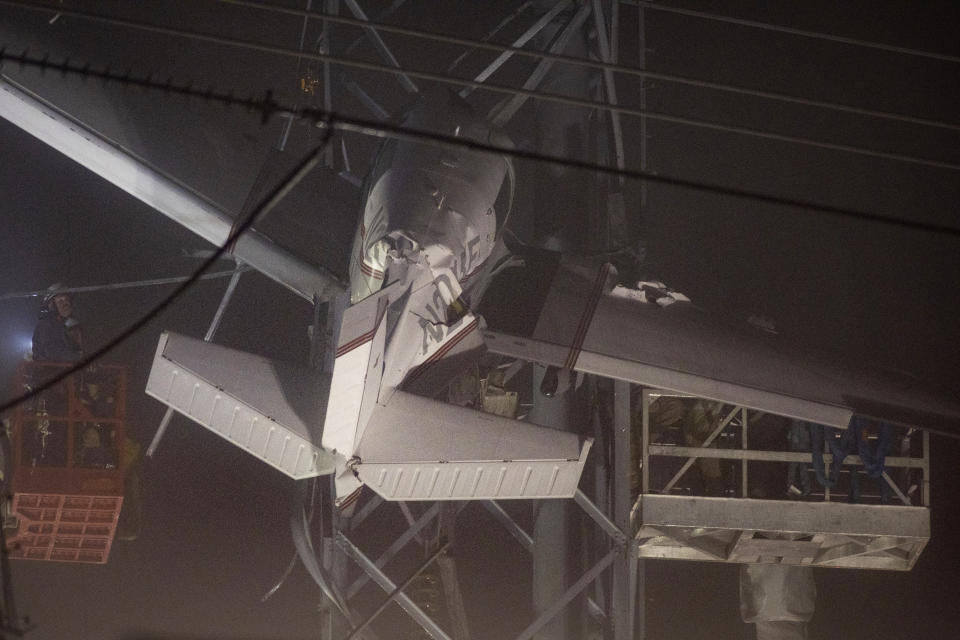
(778, 598)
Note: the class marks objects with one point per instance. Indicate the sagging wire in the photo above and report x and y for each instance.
(293, 560)
(514, 91)
(268, 107)
(302, 541)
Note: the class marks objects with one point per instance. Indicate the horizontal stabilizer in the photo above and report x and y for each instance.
(415, 448)
(273, 410)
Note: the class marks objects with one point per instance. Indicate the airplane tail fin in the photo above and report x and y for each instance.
(406, 446)
(357, 372)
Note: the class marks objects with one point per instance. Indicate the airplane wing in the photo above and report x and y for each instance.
(586, 325)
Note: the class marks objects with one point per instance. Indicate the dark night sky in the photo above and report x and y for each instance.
(215, 535)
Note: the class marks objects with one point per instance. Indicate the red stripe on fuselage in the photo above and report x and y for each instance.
(350, 499)
(441, 352)
(356, 342)
(370, 271)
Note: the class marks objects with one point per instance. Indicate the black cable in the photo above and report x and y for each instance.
(268, 107)
(486, 86)
(272, 199)
(379, 129)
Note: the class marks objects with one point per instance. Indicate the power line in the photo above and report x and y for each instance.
(273, 198)
(557, 98)
(596, 64)
(379, 129)
(656, 6)
(120, 285)
(268, 107)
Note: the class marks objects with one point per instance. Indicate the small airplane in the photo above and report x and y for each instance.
(429, 244)
(427, 247)
(422, 255)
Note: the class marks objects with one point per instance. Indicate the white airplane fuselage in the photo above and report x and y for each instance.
(429, 205)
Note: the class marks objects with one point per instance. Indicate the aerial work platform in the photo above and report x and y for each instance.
(744, 530)
(752, 520)
(718, 490)
(68, 457)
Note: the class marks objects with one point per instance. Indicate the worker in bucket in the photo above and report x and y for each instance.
(57, 336)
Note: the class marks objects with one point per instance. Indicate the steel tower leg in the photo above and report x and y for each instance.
(627, 597)
(552, 533)
(456, 610)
